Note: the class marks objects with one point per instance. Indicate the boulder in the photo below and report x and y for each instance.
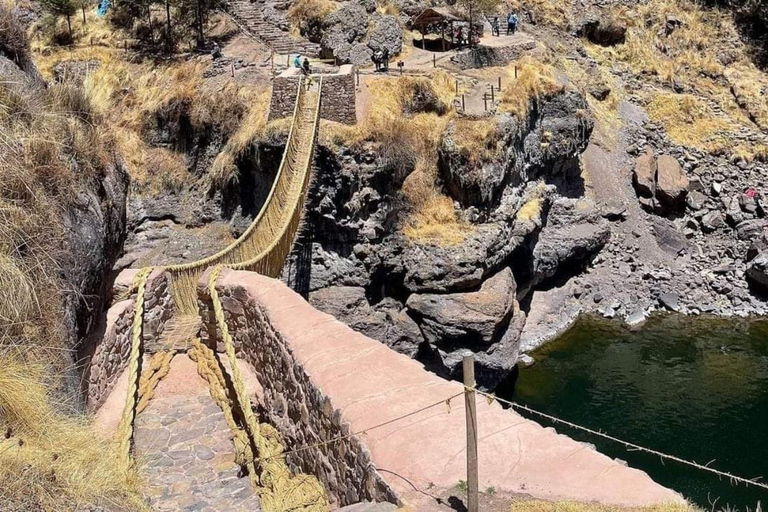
(468, 319)
(388, 323)
(757, 270)
(671, 181)
(342, 29)
(603, 31)
(712, 221)
(644, 175)
(388, 34)
(668, 237)
(575, 232)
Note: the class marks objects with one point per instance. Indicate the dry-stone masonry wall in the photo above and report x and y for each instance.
(337, 104)
(487, 56)
(294, 405)
(110, 357)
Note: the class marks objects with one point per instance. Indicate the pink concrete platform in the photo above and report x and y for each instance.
(372, 384)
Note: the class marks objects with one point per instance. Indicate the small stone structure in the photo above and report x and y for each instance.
(337, 103)
(488, 56)
(111, 355)
(74, 71)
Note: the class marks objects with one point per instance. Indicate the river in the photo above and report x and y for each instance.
(692, 387)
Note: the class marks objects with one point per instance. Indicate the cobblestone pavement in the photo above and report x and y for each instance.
(187, 448)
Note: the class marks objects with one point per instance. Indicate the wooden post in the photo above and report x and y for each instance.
(233, 71)
(499, 84)
(288, 60)
(434, 61)
(471, 412)
(457, 86)
(357, 73)
(485, 100)
(515, 71)
(463, 108)
(492, 95)
(442, 35)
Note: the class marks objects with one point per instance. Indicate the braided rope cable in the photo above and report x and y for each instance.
(278, 489)
(158, 367)
(209, 369)
(125, 428)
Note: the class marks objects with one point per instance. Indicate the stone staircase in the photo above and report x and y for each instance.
(250, 17)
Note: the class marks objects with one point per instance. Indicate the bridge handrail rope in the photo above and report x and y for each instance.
(263, 246)
(249, 247)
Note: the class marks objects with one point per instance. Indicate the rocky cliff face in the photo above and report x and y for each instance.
(436, 302)
(63, 195)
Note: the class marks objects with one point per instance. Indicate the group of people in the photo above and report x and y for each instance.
(303, 66)
(511, 24)
(380, 59)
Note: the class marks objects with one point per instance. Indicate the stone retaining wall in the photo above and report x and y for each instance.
(110, 357)
(337, 104)
(300, 411)
(487, 56)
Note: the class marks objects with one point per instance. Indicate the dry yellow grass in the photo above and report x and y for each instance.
(51, 461)
(687, 58)
(570, 506)
(546, 12)
(534, 79)
(408, 146)
(477, 139)
(305, 12)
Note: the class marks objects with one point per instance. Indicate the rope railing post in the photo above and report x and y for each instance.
(471, 412)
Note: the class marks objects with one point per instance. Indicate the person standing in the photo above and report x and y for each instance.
(514, 23)
(297, 61)
(495, 26)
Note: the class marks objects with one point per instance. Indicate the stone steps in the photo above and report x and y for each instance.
(249, 16)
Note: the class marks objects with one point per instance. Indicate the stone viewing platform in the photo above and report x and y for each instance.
(339, 96)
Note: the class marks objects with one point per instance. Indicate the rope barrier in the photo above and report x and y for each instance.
(364, 431)
(627, 444)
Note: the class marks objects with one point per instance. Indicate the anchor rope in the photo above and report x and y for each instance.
(124, 432)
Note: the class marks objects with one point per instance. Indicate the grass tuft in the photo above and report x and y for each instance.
(51, 461)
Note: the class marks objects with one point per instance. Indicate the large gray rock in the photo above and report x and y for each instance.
(470, 319)
(644, 174)
(672, 183)
(757, 270)
(387, 323)
(522, 153)
(344, 28)
(388, 34)
(575, 232)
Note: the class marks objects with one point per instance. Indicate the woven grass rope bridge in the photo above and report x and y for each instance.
(262, 248)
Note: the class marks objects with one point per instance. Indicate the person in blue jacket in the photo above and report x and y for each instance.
(297, 61)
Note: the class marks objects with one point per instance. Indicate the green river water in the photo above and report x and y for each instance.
(693, 387)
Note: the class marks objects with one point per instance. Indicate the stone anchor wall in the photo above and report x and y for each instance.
(111, 356)
(337, 104)
(487, 56)
(294, 405)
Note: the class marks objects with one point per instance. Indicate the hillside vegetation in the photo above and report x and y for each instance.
(52, 149)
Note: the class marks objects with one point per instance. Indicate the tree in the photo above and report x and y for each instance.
(83, 6)
(472, 7)
(197, 12)
(61, 8)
